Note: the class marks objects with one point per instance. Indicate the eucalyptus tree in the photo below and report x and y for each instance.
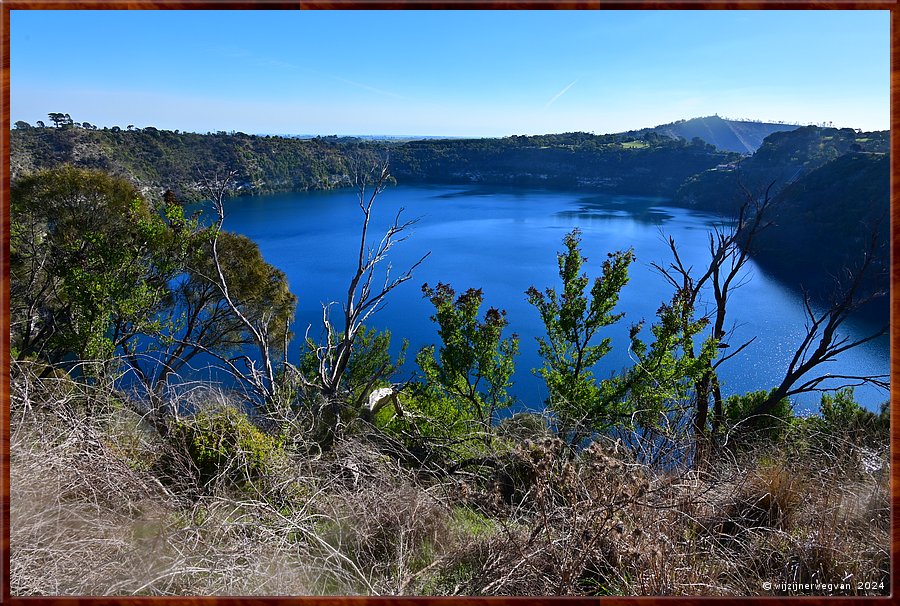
(99, 273)
(88, 254)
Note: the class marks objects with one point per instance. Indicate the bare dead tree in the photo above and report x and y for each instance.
(364, 296)
(257, 376)
(822, 342)
(730, 248)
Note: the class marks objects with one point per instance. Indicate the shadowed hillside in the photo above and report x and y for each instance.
(825, 219)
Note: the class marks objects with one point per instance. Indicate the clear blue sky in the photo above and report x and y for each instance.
(491, 73)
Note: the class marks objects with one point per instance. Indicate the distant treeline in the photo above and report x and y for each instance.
(832, 185)
(159, 159)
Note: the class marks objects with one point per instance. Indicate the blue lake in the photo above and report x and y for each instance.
(505, 240)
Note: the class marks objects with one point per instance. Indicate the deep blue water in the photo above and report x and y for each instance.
(505, 240)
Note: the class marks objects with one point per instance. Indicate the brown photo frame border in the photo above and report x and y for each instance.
(8, 5)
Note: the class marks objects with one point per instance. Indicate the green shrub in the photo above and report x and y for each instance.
(771, 426)
(841, 417)
(841, 411)
(224, 444)
(433, 428)
(430, 414)
(369, 367)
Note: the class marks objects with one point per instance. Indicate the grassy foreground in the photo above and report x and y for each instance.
(102, 503)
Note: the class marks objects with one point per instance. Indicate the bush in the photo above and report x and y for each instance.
(762, 427)
(843, 430)
(223, 445)
(842, 416)
(433, 428)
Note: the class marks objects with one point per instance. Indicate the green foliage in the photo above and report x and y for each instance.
(60, 120)
(370, 366)
(88, 256)
(738, 408)
(523, 426)
(842, 416)
(158, 158)
(470, 523)
(225, 445)
(614, 162)
(258, 289)
(840, 428)
(840, 203)
(473, 367)
(98, 271)
(665, 373)
(572, 321)
(784, 157)
(195, 315)
(428, 416)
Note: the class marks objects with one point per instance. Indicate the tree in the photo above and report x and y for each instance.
(197, 319)
(22, 125)
(730, 248)
(658, 392)
(40, 124)
(263, 375)
(99, 272)
(364, 297)
(370, 367)
(572, 321)
(260, 302)
(86, 251)
(60, 120)
(474, 365)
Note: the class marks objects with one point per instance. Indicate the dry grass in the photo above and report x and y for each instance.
(91, 514)
(88, 517)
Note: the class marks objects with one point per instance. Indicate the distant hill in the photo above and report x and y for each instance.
(830, 188)
(782, 159)
(727, 135)
(652, 166)
(156, 160)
